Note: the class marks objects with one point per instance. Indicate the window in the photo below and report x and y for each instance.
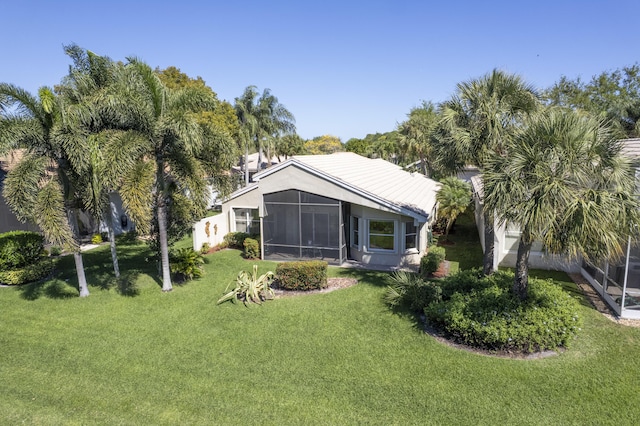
(382, 235)
(410, 236)
(355, 232)
(247, 220)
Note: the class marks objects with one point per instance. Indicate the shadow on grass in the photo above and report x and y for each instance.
(463, 243)
(52, 289)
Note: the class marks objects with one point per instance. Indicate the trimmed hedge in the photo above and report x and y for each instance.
(304, 275)
(27, 274)
(251, 248)
(20, 248)
(432, 260)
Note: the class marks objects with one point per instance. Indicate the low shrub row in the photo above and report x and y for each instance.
(33, 272)
(235, 240)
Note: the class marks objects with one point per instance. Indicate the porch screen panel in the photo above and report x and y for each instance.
(301, 225)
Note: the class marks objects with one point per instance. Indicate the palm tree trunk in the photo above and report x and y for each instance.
(108, 219)
(246, 164)
(489, 243)
(82, 280)
(521, 281)
(164, 246)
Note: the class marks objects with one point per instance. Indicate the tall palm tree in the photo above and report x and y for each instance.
(565, 184)
(164, 123)
(453, 197)
(42, 186)
(262, 119)
(481, 117)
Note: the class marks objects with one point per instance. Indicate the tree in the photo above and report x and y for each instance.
(416, 136)
(481, 117)
(454, 197)
(41, 187)
(290, 145)
(614, 95)
(325, 144)
(263, 119)
(164, 122)
(565, 183)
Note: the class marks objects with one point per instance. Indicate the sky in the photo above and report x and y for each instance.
(343, 68)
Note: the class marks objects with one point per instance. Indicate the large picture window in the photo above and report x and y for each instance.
(382, 235)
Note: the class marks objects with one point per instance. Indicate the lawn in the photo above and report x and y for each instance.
(336, 358)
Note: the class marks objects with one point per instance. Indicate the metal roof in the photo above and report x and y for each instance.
(376, 179)
(631, 148)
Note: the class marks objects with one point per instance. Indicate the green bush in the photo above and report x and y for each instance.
(19, 249)
(205, 248)
(96, 239)
(305, 275)
(251, 248)
(186, 264)
(33, 272)
(250, 288)
(409, 290)
(55, 251)
(488, 315)
(235, 240)
(431, 261)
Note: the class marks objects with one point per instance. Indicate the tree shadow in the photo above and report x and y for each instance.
(52, 289)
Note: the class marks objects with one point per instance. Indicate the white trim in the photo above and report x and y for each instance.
(403, 238)
(232, 216)
(359, 221)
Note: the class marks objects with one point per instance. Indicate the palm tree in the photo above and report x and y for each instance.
(565, 184)
(262, 119)
(482, 117)
(416, 136)
(454, 197)
(42, 186)
(164, 123)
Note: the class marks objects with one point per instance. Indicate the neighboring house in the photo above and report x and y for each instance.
(618, 282)
(507, 237)
(252, 164)
(336, 207)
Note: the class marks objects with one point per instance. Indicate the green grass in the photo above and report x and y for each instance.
(463, 247)
(336, 358)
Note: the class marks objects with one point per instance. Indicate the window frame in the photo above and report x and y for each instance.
(370, 234)
(416, 234)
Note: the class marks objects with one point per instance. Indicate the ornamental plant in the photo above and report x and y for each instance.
(250, 288)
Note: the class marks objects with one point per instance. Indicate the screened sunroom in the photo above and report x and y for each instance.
(618, 282)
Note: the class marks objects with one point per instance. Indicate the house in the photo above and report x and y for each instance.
(252, 164)
(336, 207)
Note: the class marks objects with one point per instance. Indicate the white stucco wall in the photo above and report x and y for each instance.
(209, 230)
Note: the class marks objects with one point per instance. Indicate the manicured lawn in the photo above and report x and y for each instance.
(334, 358)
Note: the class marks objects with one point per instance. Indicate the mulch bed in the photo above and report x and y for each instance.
(332, 284)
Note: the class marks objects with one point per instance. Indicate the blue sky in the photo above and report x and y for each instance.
(345, 68)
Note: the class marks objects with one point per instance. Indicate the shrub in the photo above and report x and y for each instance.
(96, 239)
(205, 248)
(186, 264)
(251, 248)
(20, 248)
(409, 290)
(55, 251)
(304, 275)
(235, 240)
(250, 288)
(490, 316)
(33, 272)
(431, 261)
